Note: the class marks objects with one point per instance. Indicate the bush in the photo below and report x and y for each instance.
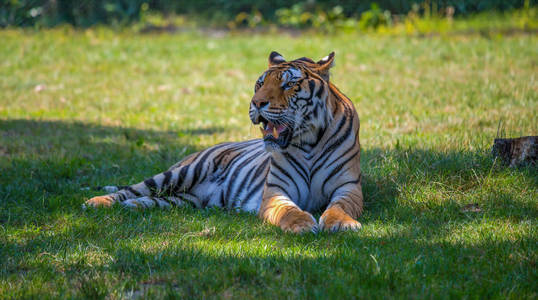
(303, 15)
(85, 13)
(78, 13)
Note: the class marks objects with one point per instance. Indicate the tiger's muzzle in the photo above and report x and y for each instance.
(274, 133)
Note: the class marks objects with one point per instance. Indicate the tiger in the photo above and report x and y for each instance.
(308, 158)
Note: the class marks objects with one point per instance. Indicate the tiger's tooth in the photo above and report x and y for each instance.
(262, 131)
(275, 133)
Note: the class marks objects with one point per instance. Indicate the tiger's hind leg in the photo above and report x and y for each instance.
(138, 203)
(149, 202)
(105, 200)
(161, 190)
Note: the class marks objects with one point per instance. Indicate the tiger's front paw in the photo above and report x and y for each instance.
(99, 201)
(336, 219)
(298, 221)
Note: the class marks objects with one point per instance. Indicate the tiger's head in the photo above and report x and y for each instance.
(290, 101)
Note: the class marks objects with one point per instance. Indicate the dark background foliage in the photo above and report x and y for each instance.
(86, 13)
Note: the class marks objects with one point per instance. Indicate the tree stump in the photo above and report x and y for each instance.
(517, 151)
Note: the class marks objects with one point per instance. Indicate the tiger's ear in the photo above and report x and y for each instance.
(275, 58)
(324, 65)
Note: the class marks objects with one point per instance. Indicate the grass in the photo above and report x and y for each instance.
(90, 108)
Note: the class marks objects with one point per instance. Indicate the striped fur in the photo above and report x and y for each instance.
(308, 159)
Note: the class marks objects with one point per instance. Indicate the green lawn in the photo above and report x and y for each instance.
(93, 108)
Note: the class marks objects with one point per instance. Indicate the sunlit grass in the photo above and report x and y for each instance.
(92, 108)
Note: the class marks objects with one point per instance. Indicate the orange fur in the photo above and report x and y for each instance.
(270, 92)
(103, 201)
(280, 212)
(336, 219)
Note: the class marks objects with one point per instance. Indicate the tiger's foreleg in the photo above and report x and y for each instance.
(343, 210)
(282, 212)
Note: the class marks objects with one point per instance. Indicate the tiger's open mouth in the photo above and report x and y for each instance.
(274, 133)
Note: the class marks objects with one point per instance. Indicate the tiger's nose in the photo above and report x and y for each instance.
(260, 103)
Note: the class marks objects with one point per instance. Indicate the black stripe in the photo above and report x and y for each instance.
(306, 59)
(302, 149)
(297, 166)
(337, 169)
(172, 203)
(261, 168)
(252, 192)
(222, 204)
(245, 181)
(151, 184)
(320, 91)
(321, 133)
(315, 112)
(257, 174)
(347, 182)
(341, 124)
(205, 201)
(201, 161)
(200, 164)
(354, 145)
(240, 146)
(135, 192)
(166, 180)
(121, 196)
(333, 88)
(239, 168)
(198, 155)
(287, 174)
(182, 174)
(165, 185)
(232, 161)
(330, 149)
(187, 199)
(274, 185)
(278, 177)
(311, 86)
(335, 107)
(219, 157)
(156, 202)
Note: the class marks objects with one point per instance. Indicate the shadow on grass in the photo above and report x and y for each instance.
(441, 180)
(97, 257)
(46, 163)
(414, 200)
